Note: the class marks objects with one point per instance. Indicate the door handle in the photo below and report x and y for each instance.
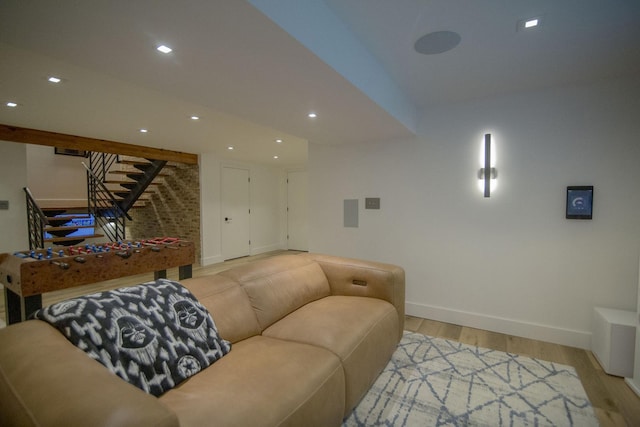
(227, 219)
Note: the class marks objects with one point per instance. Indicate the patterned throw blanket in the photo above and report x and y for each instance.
(154, 335)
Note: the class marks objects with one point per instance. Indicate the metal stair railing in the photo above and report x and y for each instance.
(36, 222)
(100, 163)
(106, 211)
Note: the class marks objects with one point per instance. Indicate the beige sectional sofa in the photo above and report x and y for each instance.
(309, 333)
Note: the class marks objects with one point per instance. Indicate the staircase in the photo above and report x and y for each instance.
(58, 225)
(69, 226)
(114, 186)
(133, 180)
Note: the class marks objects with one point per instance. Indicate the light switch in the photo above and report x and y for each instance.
(372, 203)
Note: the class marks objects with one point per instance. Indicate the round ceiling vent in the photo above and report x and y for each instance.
(437, 42)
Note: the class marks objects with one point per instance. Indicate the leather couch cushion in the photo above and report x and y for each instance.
(67, 399)
(362, 332)
(303, 385)
(356, 277)
(218, 294)
(278, 286)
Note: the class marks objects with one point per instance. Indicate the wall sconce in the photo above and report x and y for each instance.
(488, 174)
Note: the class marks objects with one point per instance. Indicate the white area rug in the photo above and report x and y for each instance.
(436, 382)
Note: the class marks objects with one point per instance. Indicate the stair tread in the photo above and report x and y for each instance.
(69, 217)
(67, 227)
(120, 198)
(124, 181)
(64, 208)
(143, 163)
(133, 162)
(68, 239)
(135, 172)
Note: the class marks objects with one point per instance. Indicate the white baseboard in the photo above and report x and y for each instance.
(569, 337)
(633, 385)
(253, 251)
(211, 260)
(268, 248)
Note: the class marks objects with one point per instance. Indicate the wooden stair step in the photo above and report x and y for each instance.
(72, 238)
(60, 222)
(68, 217)
(67, 227)
(65, 230)
(135, 172)
(132, 186)
(133, 162)
(120, 198)
(144, 162)
(123, 194)
(124, 181)
(69, 211)
(76, 205)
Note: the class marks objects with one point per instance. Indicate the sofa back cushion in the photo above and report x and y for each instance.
(280, 285)
(154, 335)
(228, 304)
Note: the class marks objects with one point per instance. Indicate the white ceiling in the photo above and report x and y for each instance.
(253, 69)
(578, 42)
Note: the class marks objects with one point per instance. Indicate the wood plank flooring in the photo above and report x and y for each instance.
(614, 402)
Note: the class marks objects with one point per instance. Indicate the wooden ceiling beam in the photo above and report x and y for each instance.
(73, 142)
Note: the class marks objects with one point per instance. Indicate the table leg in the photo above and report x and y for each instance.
(185, 272)
(19, 308)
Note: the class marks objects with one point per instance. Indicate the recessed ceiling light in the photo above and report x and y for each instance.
(195, 118)
(312, 115)
(12, 104)
(54, 79)
(279, 141)
(230, 147)
(527, 24)
(164, 49)
(276, 157)
(144, 130)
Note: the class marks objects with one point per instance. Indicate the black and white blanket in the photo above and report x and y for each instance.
(154, 335)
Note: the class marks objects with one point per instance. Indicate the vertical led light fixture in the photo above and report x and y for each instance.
(487, 173)
(487, 165)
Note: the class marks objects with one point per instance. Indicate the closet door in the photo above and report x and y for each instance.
(236, 224)
(297, 211)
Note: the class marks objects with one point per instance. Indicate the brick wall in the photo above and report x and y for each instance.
(173, 209)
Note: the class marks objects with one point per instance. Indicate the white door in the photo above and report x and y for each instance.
(235, 213)
(297, 211)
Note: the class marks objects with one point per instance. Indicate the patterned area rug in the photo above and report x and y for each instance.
(436, 382)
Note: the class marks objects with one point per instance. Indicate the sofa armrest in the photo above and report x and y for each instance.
(355, 277)
(46, 381)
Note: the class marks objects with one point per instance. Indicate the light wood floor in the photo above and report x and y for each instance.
(614, 402)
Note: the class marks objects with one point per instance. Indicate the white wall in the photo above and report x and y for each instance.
(13, 178)
(267, 202)
(55, 179)
(511, 263)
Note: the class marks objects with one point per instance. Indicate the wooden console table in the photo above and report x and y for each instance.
(27, 275)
